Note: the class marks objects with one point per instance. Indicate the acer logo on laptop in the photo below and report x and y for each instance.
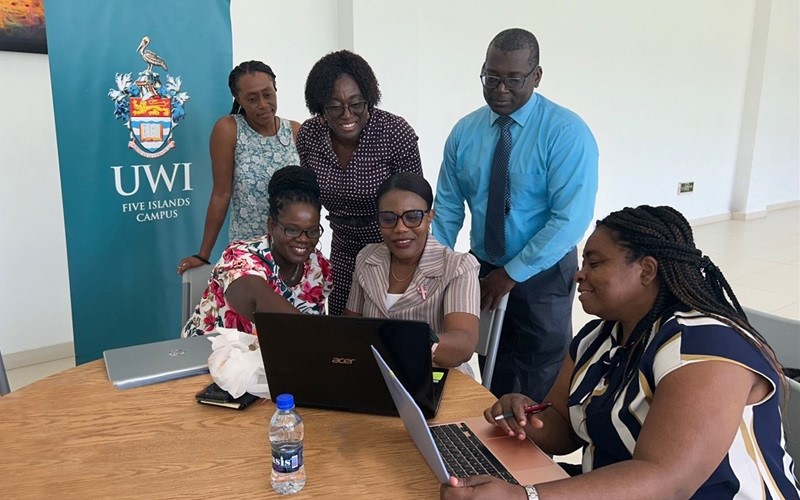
(343, 361)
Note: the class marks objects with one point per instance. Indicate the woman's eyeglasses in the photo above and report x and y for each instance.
(411, 218)
(295, 232)
(356, 108)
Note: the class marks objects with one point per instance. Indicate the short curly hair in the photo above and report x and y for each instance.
(325, 72)
(517, 39)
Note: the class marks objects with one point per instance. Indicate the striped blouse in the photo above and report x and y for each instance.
(444, 282)
(757, 464)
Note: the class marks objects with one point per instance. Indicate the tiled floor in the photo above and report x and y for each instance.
(760, 258)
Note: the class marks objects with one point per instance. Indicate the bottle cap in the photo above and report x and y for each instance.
(284, 402)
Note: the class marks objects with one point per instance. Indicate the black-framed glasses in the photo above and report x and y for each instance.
(295, 232)
(511, 82)
(356, 108)
(411, 218)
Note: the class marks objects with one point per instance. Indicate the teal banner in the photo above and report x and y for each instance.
(137, 88)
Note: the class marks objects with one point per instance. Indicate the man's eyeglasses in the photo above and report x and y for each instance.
(511, 82)
(356, 108)
(295, 232)
(411, 218)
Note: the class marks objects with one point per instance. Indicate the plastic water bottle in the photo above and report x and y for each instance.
(286, 438)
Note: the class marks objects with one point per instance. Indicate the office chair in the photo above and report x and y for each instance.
(489, 339)
(4, 387)
(195, 282)
(783, 335)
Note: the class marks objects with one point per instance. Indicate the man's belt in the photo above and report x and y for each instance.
(357, 221)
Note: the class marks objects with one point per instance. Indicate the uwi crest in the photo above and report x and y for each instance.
(150, 110)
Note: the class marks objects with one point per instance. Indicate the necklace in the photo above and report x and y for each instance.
(398, 279)
(295, 275)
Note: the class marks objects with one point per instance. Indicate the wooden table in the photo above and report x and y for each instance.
(73, 435)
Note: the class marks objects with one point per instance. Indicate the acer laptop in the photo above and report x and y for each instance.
(327, 361)
(488, 450)
(145, 364)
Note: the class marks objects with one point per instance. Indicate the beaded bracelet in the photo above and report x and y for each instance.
(201, 259)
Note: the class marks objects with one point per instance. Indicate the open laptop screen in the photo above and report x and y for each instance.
(326, 361)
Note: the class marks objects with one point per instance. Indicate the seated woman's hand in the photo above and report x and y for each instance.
(481, 487)
(512, 403)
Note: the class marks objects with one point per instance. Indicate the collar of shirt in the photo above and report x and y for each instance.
(521, 115)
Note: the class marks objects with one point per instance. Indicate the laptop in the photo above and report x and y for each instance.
(145, 364)
(489, 451)
(326, 361)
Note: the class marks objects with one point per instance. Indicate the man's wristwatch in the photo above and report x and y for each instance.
(531, 491)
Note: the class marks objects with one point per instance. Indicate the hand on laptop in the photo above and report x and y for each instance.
(516, 404)
(481, 487)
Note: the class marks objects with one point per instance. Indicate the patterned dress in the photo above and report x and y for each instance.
(757, 464)
(256, 158)
(387, 145)
(254, 258)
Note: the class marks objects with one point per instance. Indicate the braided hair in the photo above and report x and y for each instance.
(292, 184)
(246, 68)
(687, 280)
(325, 72)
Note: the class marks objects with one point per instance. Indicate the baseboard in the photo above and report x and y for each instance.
(39, 355)
(756, 214)
(745, 216)
(781, 206)
(710, 219)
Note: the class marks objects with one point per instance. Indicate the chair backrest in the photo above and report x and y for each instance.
(783, 335)
(489, 339)
(791, 420)
(5, 388)
(195, 282)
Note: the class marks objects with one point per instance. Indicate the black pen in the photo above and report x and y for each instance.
(528, 411)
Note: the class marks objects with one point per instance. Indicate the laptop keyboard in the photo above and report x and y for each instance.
(464, 454)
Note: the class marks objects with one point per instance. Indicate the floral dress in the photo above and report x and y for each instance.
(254, 258)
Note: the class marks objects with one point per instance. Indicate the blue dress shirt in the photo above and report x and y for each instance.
(552, 182)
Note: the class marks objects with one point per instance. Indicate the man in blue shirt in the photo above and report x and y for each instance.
(525, 236)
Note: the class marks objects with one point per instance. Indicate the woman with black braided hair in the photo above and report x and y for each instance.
(247, 147)
(671, 393)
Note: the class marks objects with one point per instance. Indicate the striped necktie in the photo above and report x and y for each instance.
(497, 205)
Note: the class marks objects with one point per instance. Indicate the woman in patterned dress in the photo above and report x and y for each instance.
(671, 393)
(247, 147)
(280, 272)
(353, 147)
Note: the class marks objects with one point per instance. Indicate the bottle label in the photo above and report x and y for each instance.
(287, 458)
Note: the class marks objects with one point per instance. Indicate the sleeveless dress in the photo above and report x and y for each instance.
(255, 160)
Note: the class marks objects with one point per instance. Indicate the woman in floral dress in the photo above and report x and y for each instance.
(280, 272)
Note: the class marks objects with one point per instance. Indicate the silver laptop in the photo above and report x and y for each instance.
(489, 450)
(157, 362)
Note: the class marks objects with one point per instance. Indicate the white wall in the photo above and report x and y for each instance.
(662, 86)
(34, 288)
(777, 142)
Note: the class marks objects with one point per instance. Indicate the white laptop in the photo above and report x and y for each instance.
(145, 364)
(492, 452)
